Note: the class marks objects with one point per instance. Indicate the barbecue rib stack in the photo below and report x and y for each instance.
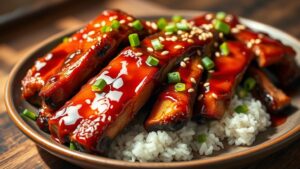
(93, 84)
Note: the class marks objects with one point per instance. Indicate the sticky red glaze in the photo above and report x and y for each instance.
(278, 120)
(173, 109)
(49, 64)
(89, 124)
(268, 50)
(93, 54)
(219, 88)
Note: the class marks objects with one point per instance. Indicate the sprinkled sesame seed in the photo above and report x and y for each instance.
(191, 90)
(241, 27)
(186, 59)
(168, 33)
(148, 23)
(208, 16)
(97, 25)
(257, 41)
(200, 97)
(214, 95)
(174, 38)
(154, 26)
(206, 84)
(129, 18)
(161, 38)
(190, 41)
(165, 52)
(216, 44)
(179, 32)
(122, 21)
(221, 35)
(193, 80)
(178, 47)
(199, 52)
(103, 23)
(217, 54)
(235, 30)
(149, 49)
(182, 64)
(138, 54)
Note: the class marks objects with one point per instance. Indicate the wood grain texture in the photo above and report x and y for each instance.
(17, 151)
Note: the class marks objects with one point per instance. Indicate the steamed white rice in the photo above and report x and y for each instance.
(234, 128)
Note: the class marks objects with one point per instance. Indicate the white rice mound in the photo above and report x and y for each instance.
(138, 145)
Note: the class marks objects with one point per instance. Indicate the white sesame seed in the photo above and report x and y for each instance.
(161, 38)
(174, 38)
(241, 27)
(190, 41)
(221, 35)
(122, 21)
(260, 35)
(186, 59)
(130, 24)
(179, 32)
(148, 23)
(208, 16)
(200, 97)
(138, 54)
(103, 23)
(191, 90)
(193, 80)
(182, 64)
(97, 25)
(214, 95)
(200, 66)
(178, 47)
(129, 18)
(165, 52)
(199, 52)
(217, 54)
(168, 33)
(216, 44)
(149, 49)
(153, 25)
(257, 41)
(235, 30)
(206, 84)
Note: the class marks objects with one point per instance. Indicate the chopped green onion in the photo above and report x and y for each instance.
(72, 146)
(249, 83)
(182, 26)
(208, 63)
(242, 93)
(29, 114)
(152, 61)
(221, 26)
(156, 44)
(171, 28)
(106, 29)
(162, 23)
(99, 85)
(115, 24)
(224, 49)
(177, 18)
(134, 40)
(174, 77)
(179, 87)
(202, 138)
(221, 15)
(241, 108)
(137, 25)
(65, 39)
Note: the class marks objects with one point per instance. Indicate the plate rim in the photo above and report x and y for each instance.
(90, 160)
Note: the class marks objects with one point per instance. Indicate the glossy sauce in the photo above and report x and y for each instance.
(128, 76)
(278, 120)
(172, 109)
(97, 50)
(219, 88)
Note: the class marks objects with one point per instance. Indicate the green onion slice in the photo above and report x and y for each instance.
(99, 85)
(106, 29)
(241, 109)
(72, 146)
(221, 26)
(171, 28)
(208, 63)
(29, 114)
(134, 40)
(115, 24)
(221, 15)
(174, 77)
(242, 93)
(156, 44)
(224, 49)
(137, 25)
(152, 61)
(65, 39)
(177, 18)
(182, 26)
(202, 138)
(162, 23)
(179, 87)
(249, 83)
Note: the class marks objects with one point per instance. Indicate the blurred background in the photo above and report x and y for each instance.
(26, 23)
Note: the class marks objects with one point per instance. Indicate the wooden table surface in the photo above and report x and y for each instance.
(17, 151)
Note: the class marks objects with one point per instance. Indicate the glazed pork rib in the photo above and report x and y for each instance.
(91, 119)
(269, 51)
(265, 91)
(100, 46)
(173, 107)
(215, 94)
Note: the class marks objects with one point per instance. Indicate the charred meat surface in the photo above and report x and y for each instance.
(265, 91)
(91, 117)
(174, 105)
(215, 94)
